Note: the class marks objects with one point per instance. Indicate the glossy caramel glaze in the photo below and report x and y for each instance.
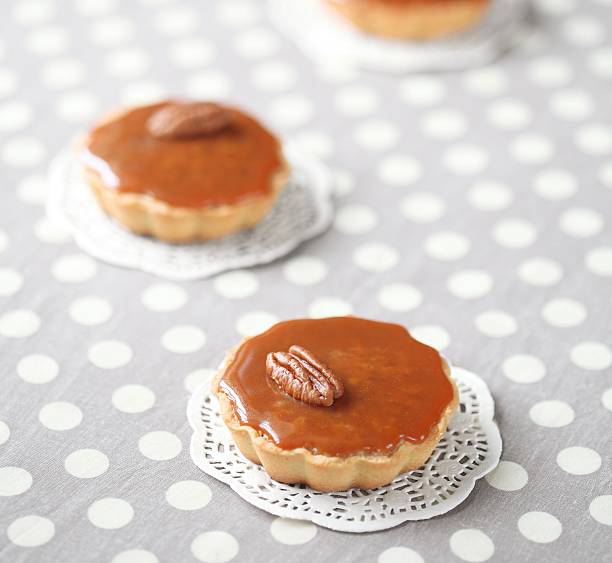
(395, 388)
(235, 164)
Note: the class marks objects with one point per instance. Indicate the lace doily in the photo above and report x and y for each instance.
(324, 35)
(469, 449)
(303, 211)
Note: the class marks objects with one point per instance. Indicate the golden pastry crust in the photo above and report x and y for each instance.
(324, 472)
(412, 19)
(147, 215)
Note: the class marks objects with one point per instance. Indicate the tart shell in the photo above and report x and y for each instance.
(324, 472)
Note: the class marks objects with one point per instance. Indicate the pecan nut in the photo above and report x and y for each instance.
(299, 374)
(185, 120)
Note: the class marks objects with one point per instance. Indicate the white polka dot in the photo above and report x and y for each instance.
(316, 143)
(605, 174)
(432, 335)
(531, 148)
(444, 124)
(375, 257)
(591, 356)
(555, 184)
(63, 73)
(214, 547)
(399, 170)
(292, 110)
(305, 270)
(77, 107)
(599, 261)
(508, 476)
(23, 152)
(509, 114)
(19, 323)
(600, 62)
(135, 556)
(164, 297)
(32, 13)
(447, 245)
(564, 312)
(399, 554)
(356, 100)
(183, 339)
(399, 297)
(11, 281)
(550, 72)
(601, 509)
(255, 322)
(539, 527)
(581, 222)
(90, 311)
(143, 92)
(274, 76)
(552, 414)
(110, 513)
(237, 13)
(335, 72)
(490, 196)
(14, 481)
(523, 368)
(47, 41)
(111, 31)
(595, 139)
(470, 284)
(355, 219)
(572, 105)
(496, 324)
(32, 190)
(177, 20)
(472, 545)
(14, 115)
(256, 43)
(466, 159)
(514, 233)
(50, 232)
(421, 91)
(583, 31)
(606, 401)
(329, 307)
(74, 268)
(160, 445)
(110, 354)
(86, 463)
(30, 531)
(198, 377)
(192, 52)
(377, 134)
(94, 7)
(541, 272)
(37, 368)
(578, 460)
(487, 82)
(556, 7)
(237, 284)
(422, 207)
(292, 532)
(188, 495)
(5, 432)
(60, 416)
(133, 399)
(127, 63)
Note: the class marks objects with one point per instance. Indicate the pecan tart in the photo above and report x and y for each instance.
(335, 403)
(411, 19)
(183, 171)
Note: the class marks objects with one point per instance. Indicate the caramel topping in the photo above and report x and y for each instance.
(395, 388)
(181, 166)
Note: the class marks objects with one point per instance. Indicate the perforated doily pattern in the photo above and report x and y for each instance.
(469, 449)
(303, 211)
(324, 36)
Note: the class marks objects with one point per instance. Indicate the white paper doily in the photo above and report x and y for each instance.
(303, 211)
(324, 35)
(470, 448)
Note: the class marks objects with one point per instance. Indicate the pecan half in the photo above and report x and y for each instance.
(184, 120)
(299, 374)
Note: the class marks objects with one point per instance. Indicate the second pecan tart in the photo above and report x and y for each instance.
(183, 171)
(335, 403)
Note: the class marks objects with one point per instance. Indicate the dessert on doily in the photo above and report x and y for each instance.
(411, 19)
(183, 171)
(335, 403)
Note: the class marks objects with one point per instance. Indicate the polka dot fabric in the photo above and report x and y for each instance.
(470, 207)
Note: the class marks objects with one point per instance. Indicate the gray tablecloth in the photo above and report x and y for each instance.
(473, 208)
